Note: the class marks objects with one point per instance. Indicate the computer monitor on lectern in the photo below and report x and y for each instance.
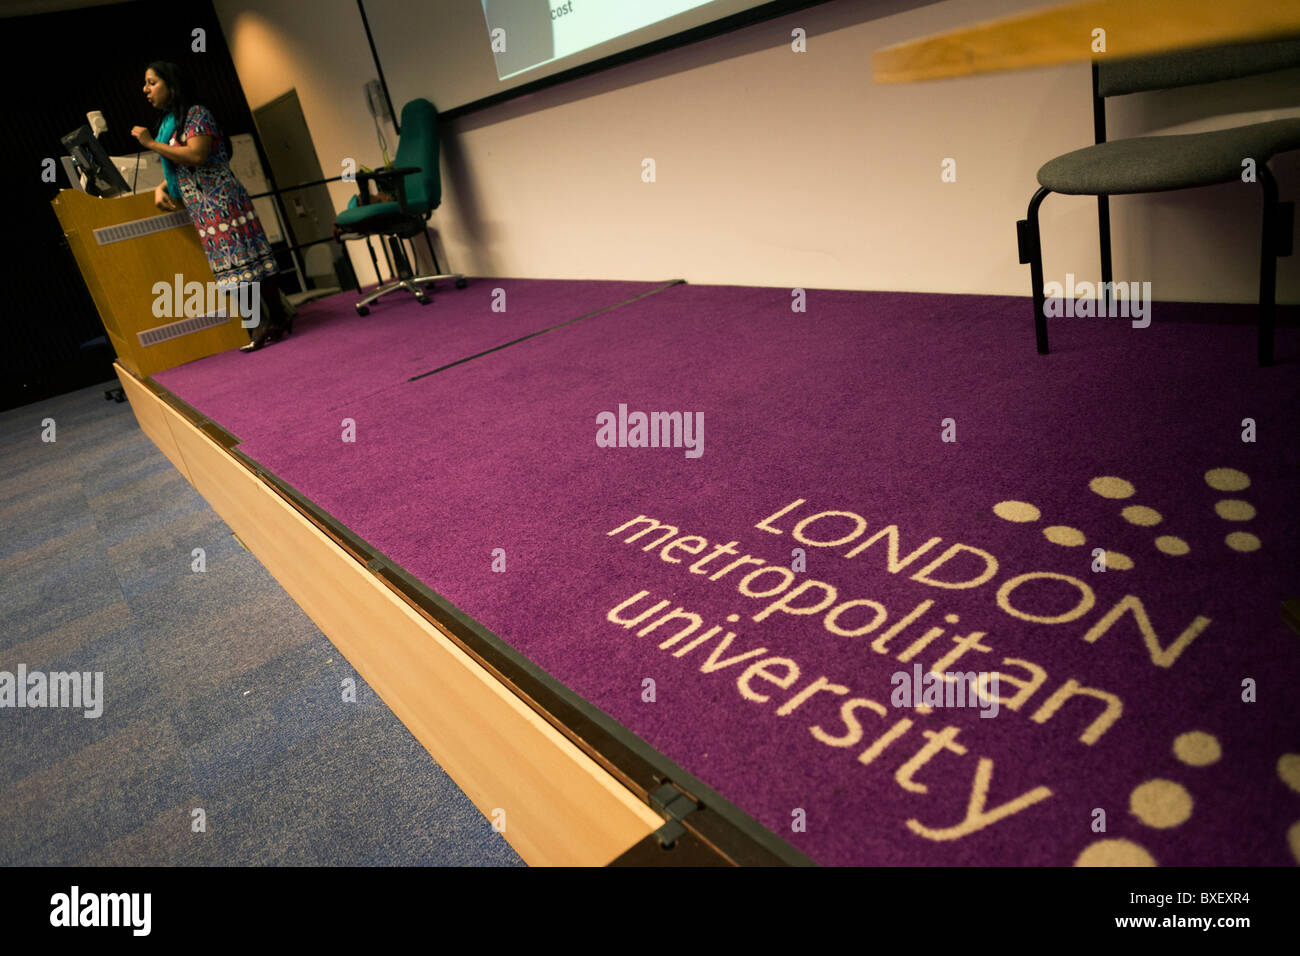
(102, 177)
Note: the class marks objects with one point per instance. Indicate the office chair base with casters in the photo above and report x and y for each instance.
(411, 285)
(406, 280)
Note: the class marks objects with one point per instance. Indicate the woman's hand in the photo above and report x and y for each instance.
(163, 200)
(141, 133)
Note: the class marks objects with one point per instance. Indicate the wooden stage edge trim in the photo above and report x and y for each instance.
(576, 787)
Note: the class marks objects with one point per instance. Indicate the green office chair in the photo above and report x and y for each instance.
(416, 182)
(1159, 163)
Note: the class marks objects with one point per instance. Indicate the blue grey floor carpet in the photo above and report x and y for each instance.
(224, 736)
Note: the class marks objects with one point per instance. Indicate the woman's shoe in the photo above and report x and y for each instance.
(259, 339)
(283, 329)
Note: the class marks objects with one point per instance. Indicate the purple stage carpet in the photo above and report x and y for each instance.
(348, 360)
(844, 502)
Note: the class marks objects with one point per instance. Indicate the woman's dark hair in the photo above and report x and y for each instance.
(184, 95)
(182, 91)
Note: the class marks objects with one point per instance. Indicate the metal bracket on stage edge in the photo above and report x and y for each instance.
(672, 804)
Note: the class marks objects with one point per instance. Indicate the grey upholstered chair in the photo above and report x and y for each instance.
(1159, 163)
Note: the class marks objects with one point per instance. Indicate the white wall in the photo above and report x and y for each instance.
(783, 169)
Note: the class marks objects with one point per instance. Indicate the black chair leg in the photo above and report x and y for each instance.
(399, 257)
(432, 255)
(374, 260)
(1031, 252)
(1103, 227)
(1268, 265)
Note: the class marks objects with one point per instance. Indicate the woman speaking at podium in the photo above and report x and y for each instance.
(196, 164)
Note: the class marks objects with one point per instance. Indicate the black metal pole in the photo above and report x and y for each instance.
(289, 189)
(1267, 266)
(1103, 202)
(383, 83)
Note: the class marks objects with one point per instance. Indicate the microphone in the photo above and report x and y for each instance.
(136, 176)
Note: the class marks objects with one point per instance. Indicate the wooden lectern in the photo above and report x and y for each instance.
(125, 247)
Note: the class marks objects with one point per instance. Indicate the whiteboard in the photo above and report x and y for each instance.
(248, 170)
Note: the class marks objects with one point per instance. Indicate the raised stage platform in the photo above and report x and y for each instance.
(596, 634)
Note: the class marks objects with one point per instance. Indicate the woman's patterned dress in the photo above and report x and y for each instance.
(236, 246)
